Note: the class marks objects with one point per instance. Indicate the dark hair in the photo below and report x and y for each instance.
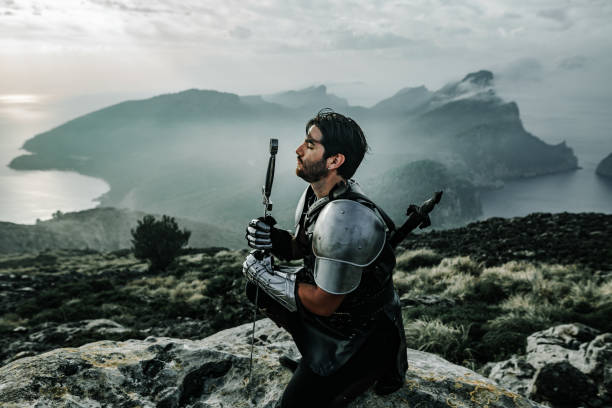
(341, 134)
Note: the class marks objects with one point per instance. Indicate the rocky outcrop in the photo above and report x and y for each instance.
(605, 167)
(52, 335)
(568, 365)
(213, 372)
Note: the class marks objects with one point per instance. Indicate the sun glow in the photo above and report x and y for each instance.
(22, 106)
(21, 99)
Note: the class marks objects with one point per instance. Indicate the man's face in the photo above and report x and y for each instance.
(311, 166)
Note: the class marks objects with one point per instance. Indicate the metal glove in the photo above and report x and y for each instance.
(259, 232)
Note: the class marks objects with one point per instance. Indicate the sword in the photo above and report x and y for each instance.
(266, 190)
(418, 216)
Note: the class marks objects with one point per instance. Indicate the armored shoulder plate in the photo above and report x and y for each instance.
(348, 236)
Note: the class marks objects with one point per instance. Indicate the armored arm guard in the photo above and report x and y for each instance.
(348, 236)
(279, 284)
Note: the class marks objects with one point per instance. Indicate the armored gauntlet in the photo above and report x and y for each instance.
(279, 285)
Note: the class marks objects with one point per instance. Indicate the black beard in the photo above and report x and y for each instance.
(313, 172)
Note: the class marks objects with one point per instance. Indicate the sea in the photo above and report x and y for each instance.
(28, 196)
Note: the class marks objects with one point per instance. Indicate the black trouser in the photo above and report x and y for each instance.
(308, 389)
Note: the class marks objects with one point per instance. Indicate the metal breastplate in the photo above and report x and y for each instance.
(359, 309)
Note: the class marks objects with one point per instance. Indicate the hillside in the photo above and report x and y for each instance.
(202, 154)
(99, 229)
(472, 295)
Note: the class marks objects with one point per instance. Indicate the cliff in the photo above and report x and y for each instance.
(604, 168)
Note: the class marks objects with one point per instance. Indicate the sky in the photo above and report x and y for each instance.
(63, 58)
(541, 51)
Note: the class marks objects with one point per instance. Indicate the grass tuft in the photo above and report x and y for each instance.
(434, 336)
(411, 260)
(500, 305)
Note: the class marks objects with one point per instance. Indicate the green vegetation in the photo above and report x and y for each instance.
(456, 307)
(159, 242)
(485, 314)
(200, 294)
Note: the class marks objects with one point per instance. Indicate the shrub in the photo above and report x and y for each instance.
(158, 242)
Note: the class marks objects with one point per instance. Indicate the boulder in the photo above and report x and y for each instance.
(565, 364)
(563, 385)
(214, 372)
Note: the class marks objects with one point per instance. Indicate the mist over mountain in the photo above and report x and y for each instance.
(202, 154)
(312, 99)
(100, 229)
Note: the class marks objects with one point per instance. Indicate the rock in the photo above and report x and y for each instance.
(562, 385)
(566, 342)
(515, 374)
(213, 372)
(69, 330)
(52, 335)
(581, 353)
(605, 167)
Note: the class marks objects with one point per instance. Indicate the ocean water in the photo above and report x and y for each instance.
(575, 191)
(589, 133)
(29, 195)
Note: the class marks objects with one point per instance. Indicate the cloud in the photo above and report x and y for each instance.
(125, 7)
(367, 41)
(524, 69)
(512, 16)
(558, 15)
(241, 33)
(573, 63)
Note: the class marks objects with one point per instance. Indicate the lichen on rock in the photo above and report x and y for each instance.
(214, 372)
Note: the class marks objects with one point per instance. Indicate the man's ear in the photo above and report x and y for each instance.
(335, 161)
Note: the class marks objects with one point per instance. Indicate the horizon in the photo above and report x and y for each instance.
(547, 51)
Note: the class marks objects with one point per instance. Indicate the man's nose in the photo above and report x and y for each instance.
(299, 150)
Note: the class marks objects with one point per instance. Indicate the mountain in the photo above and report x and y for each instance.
(604, 168)
(99, 229)
(201, 154)
(416, 182)
(466, 120)
(404, 101)
(312, 99)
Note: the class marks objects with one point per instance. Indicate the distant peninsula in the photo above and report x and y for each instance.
(201, 154)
